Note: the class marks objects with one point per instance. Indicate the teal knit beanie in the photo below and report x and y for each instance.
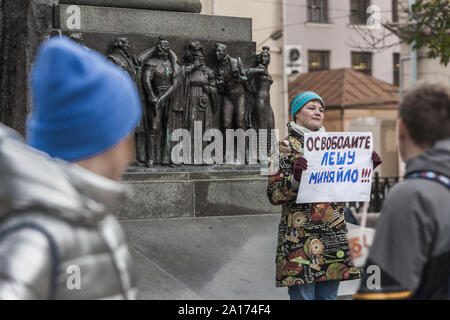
(301, 100)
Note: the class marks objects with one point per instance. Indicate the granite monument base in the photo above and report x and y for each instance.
(168, 192)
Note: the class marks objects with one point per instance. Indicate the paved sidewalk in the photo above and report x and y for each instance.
(222, 258)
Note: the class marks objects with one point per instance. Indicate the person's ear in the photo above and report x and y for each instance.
(402, 138)
(402, 131)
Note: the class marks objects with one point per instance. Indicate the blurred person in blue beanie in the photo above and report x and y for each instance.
(58, 238)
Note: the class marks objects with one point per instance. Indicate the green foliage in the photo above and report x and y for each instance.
(429, 26)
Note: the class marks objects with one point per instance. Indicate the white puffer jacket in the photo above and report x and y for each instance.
(57, 239)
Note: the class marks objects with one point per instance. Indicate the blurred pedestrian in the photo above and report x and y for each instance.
(58, 238)
(312, 251)
(411, 249)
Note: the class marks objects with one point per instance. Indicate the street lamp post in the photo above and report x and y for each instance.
(277, 34)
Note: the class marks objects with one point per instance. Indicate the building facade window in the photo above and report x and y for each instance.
(362, 62)
(396, 68)
(358, 11)
(318, 11)
(318, 60)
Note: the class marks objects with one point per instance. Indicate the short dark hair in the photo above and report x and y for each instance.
(425, 110)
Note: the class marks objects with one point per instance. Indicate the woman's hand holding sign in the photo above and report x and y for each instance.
(376, 159)
(299, 166)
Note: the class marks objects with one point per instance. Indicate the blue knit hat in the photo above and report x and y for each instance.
(301, 100)
(83, 104)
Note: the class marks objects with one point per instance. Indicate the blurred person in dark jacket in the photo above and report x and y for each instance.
(411, 249)
(58, 238)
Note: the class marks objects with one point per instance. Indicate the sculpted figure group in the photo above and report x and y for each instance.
(175, 94)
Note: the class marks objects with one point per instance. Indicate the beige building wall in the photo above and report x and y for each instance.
(384, 135)
(351, 114)
(427, 69)
(339, 120)
(266, 18)
(333, 120)
(384, 142)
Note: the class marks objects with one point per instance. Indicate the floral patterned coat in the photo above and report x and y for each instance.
(312, 243)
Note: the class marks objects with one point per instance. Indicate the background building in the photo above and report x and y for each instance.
(416, 66)
(331, 35)
(342, 60)
(317, 35)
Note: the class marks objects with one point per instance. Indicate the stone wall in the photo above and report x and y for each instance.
(24, 24)
(196, 194)
(194, 6)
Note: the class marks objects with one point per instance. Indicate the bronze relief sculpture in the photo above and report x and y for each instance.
(161, 81)
(176, 95)
(201, 93)
(263, 113)
(260, 83)
(120, 54)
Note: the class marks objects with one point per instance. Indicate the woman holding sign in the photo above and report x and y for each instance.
(312, 249)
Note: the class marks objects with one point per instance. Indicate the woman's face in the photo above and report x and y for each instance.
(311, 116)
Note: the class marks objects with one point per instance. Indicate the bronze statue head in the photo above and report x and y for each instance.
(195, 51)
(162, 47)
(264, 57)
(221, 51)
(122, 43)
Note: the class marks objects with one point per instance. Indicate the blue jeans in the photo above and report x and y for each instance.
(322, 290)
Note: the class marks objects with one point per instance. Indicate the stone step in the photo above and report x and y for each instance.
(173, 194)
(194, 6)
(153, 22)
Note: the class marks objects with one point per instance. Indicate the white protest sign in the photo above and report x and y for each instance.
(339, 167)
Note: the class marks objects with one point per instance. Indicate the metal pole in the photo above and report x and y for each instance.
(285, 82)
(377, 192)
(413, 53)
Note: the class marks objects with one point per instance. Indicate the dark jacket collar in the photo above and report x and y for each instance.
(436, 159)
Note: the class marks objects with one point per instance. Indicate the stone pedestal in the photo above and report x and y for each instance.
(159, 192)
(194, 6)
(126, 21)
(193, 192)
